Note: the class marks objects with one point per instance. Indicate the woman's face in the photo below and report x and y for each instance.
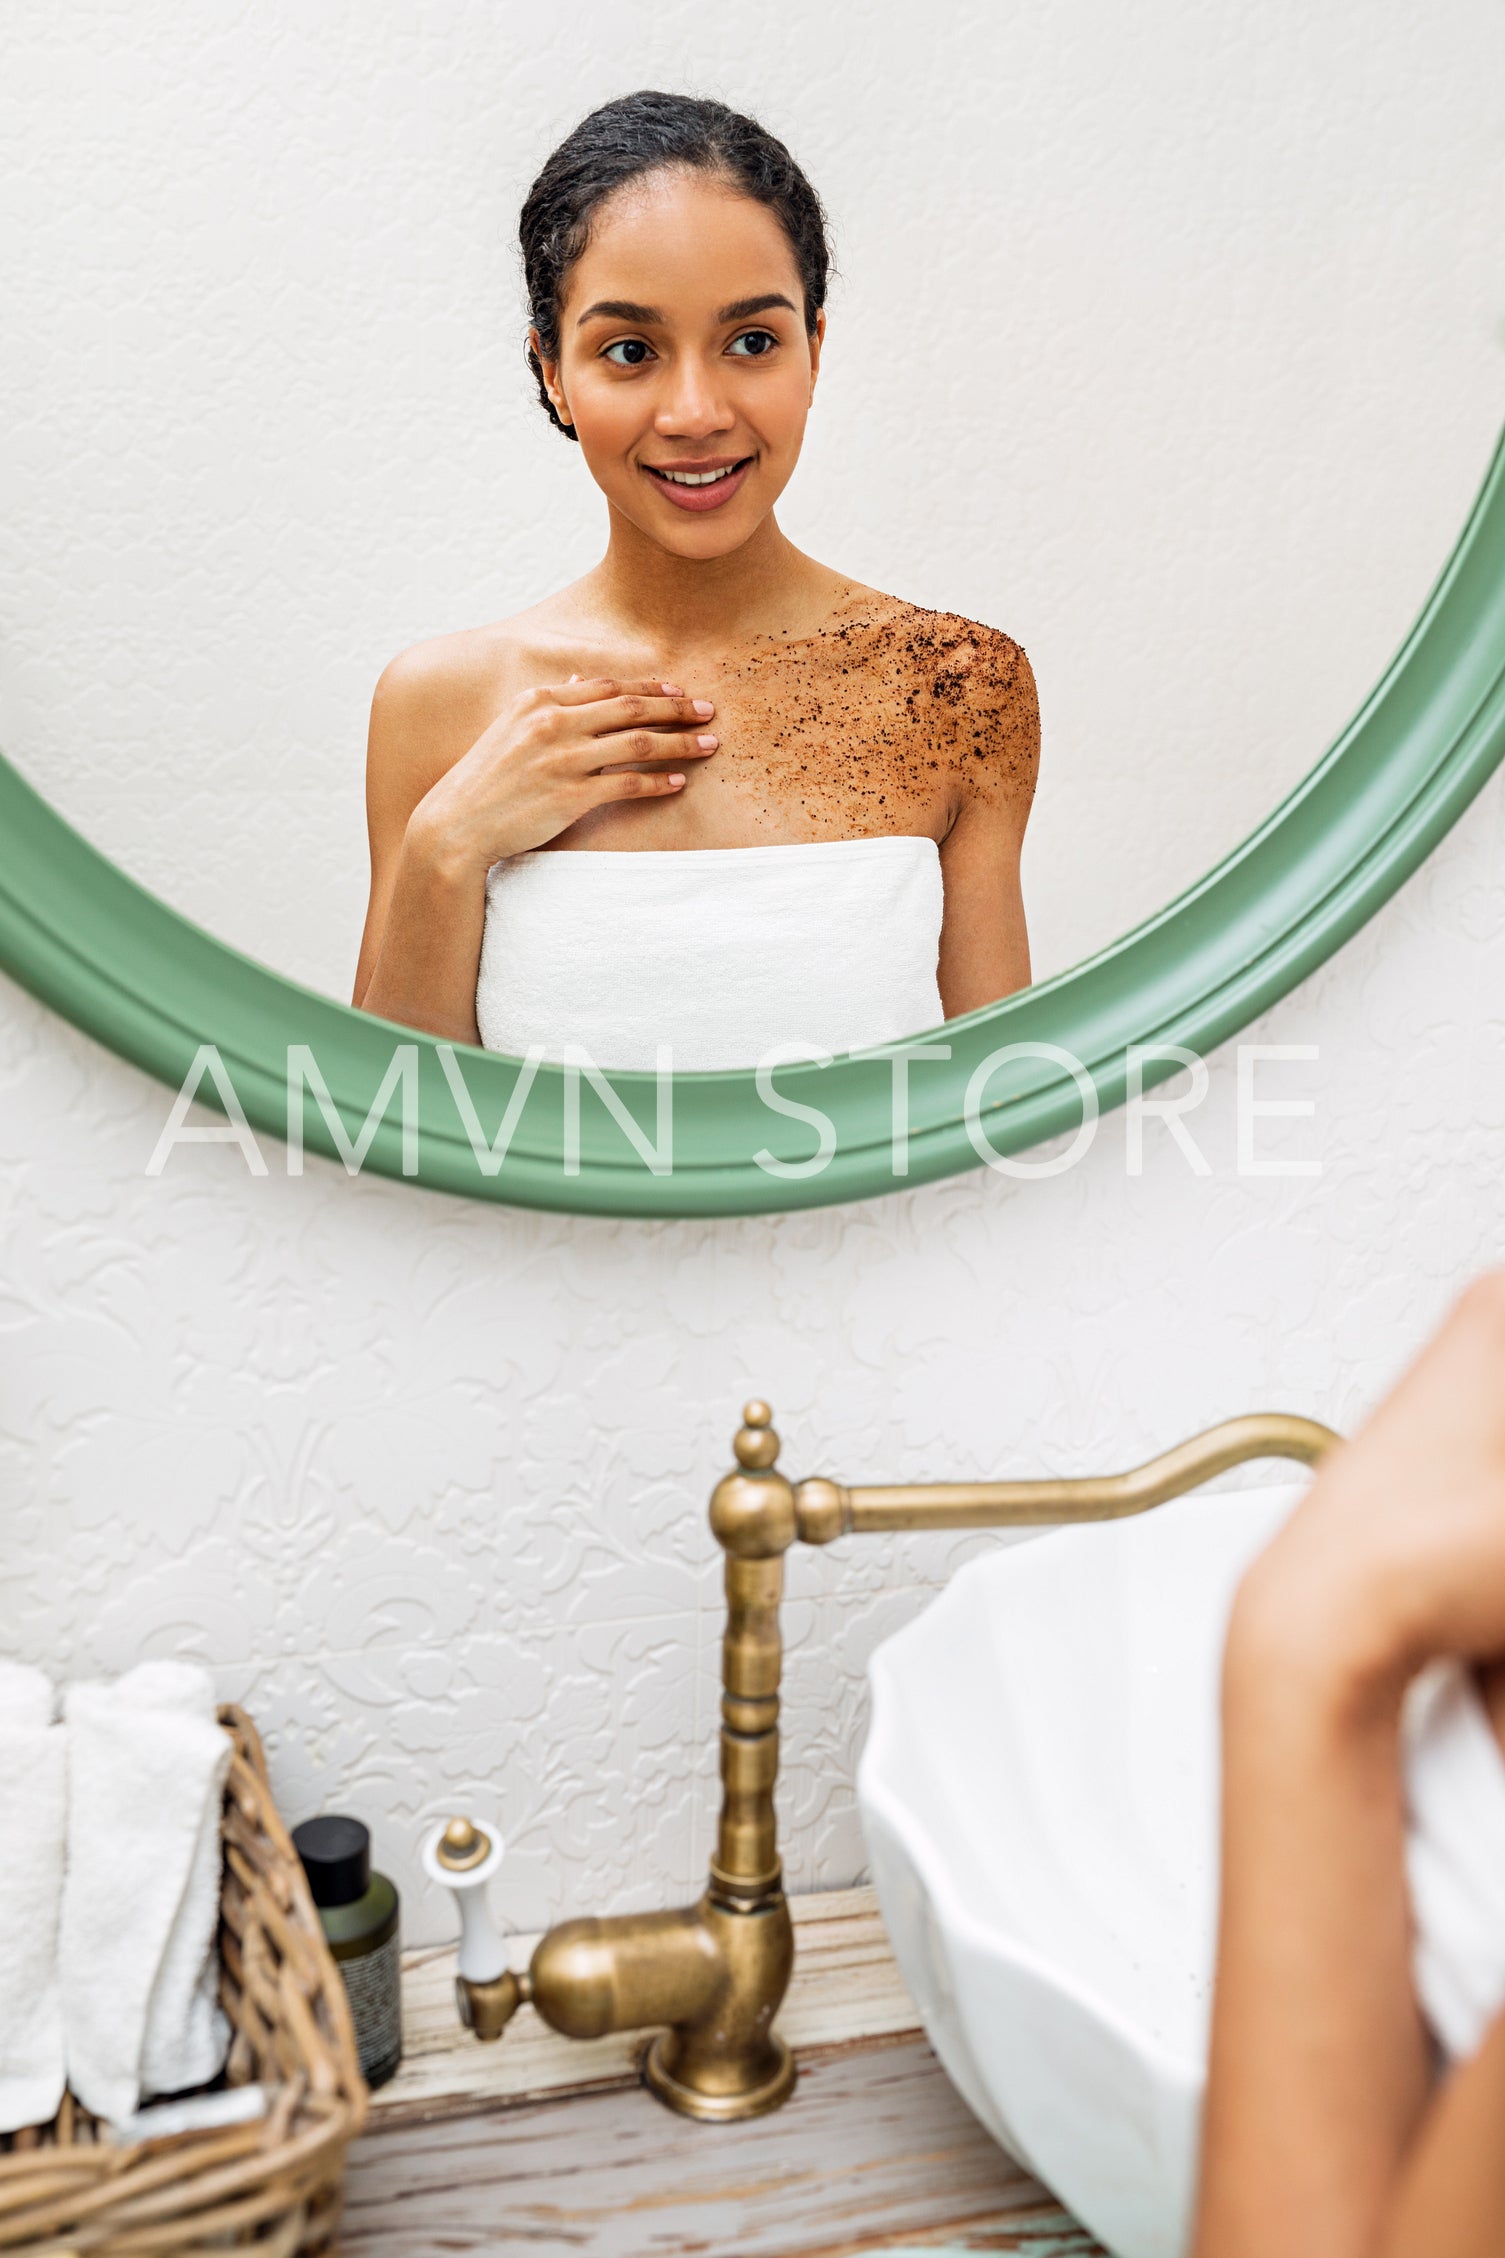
(684, 356)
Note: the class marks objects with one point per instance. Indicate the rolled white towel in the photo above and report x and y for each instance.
(146, 1776)
(1455, 1856)
(33, 1812)
(187, 2034)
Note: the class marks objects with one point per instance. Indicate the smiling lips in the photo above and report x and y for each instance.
(702, 485)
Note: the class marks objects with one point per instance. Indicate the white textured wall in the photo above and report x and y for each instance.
(1169, 338)
(424, 1481)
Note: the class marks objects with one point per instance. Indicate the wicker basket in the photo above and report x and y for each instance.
(273, 2186)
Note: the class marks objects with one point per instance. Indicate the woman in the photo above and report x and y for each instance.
(715, 794)
(1326, 2134)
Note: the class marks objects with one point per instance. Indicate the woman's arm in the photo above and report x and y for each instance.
(1318, 2136)
(984, 939)
(450, 791)
(1318, 2072)
(1451, 2201)
(421, 947)
(1318, 2142)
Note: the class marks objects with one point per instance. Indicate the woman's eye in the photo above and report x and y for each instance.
(627, 352)
(753, 344)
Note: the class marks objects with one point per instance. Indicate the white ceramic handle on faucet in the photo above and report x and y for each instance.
(464, 1868)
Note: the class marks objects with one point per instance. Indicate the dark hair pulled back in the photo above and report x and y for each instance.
(641, 133)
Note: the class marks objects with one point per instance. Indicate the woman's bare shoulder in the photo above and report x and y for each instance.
(474, 663)
(437, 697)
(948, 645)
(968, 686)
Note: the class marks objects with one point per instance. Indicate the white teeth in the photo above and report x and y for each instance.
(697, 477)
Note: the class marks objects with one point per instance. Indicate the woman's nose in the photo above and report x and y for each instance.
(693, 406)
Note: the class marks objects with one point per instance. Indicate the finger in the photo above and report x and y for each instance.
(653, 745)
(632, 784)
(582, 690)
(637, 710)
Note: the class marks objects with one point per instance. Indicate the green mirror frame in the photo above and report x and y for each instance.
(153, 986)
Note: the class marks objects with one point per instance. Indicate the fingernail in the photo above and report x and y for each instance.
(707, 744)
(671, 689)
(704, 708)
(676, 780)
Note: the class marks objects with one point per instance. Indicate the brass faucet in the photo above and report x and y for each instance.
(710, 1977)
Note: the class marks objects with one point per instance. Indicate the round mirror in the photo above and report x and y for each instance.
(1179, 372)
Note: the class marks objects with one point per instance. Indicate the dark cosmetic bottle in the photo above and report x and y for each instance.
(358, 1910)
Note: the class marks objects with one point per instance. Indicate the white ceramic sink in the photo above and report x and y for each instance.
(1039, 1796)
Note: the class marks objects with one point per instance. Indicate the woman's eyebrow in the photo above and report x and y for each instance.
(622, 309)
(742, 308)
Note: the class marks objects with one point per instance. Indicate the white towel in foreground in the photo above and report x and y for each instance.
(1455, 1856)
(146, 1775)
(33, 1814)
(725, 954)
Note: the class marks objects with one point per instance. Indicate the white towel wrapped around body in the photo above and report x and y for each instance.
(146, 1774)
(33, 1819)
(724, 954)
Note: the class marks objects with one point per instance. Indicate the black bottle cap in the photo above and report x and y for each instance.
(336, 1855)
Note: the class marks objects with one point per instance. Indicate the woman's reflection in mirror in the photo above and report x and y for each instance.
(715, 793)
